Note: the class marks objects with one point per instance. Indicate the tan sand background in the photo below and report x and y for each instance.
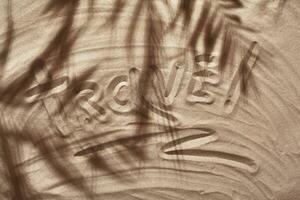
(188, 147)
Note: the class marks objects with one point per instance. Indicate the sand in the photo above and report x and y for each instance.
(153, 102)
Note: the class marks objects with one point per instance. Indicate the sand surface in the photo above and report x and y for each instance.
(150, 100)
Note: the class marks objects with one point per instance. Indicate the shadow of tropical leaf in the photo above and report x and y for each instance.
(216, 20)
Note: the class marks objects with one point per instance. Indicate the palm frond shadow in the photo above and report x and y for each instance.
(208, 25)
(4, 53)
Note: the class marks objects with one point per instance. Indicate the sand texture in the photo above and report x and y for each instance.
(149, 99)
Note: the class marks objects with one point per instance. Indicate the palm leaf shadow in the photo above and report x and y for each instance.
(62, 43)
